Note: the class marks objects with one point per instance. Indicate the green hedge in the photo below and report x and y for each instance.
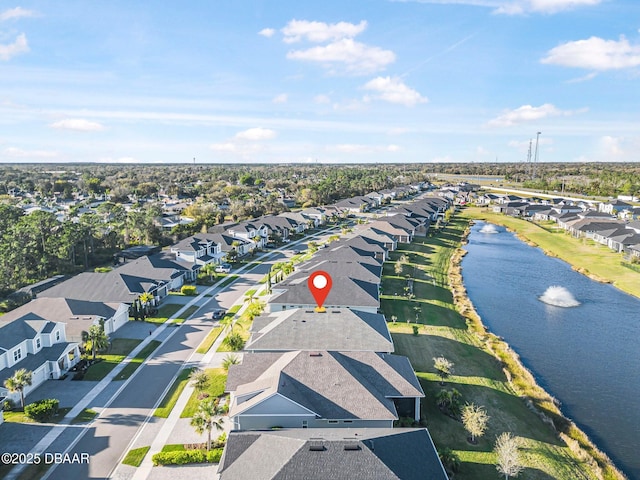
(189, 290)
(187, 456)
(42, 410)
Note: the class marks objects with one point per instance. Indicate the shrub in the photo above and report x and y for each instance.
(234, 341)
(189, 290)
(214, 455)
(8, 405)
(179, 457)
(415, 329)
(42, 410)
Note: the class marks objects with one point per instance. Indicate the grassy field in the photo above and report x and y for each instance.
(172, 395)
(479, 375)
(215, 388)
(584, 255)
(136, 361)
(120, 348)
(134, 457)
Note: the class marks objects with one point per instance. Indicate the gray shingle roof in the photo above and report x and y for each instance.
(333, 385)
(331, 454)
(335, 329)
(34, 361)
(78, 315)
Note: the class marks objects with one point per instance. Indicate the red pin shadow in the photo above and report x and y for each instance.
(319, 285)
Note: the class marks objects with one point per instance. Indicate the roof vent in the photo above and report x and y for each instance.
(316, 445)
(315, 354)
(352, 445)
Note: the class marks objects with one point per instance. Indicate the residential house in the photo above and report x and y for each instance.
(337, 329)
(229, 243)
(331, 454)
(198, 249)
(320, 389)
(355, 286)
(155, 275)
(613, 207)
(38, 345)
(77, 315)
(252, 231)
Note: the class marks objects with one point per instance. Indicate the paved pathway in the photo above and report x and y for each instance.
(128, 405)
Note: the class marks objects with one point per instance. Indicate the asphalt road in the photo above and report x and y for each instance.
(109, 435)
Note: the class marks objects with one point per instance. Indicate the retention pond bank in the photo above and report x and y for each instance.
(584, 353)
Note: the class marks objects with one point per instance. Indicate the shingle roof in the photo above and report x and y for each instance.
(331, 454)
(333, 385)
(78, 315)
(335, 329)
(34, 361)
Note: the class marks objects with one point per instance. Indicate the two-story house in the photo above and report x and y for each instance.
(38, 345)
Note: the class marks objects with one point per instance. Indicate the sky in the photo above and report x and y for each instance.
(376, 81)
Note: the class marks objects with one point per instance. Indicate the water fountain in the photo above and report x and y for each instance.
(559, 297)
(488, 228)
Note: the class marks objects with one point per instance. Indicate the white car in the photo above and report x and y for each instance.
(223, 268)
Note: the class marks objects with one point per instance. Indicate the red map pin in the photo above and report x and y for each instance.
(319, 284)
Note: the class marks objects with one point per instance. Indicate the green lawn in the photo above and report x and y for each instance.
(209, 340)
(215, 388)
(85, 416)
(478, 375)
(585, 255)
(172, 395)
(136, 361)
(134, 457)
(165, 312)
(120, 348)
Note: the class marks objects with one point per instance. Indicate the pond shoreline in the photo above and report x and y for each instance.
(520, 378)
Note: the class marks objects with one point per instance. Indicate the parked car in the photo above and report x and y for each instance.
(270, 245)
(223, 268)
(218, 314)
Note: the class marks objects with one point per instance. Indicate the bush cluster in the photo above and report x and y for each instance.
(42, 410)
(187, 456)
(189, 290)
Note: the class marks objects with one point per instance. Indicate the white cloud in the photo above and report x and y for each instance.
(596, 54)
(256, 134)
(319, 32)
(517, 7)
(17, 12)
(393, 90)
(528, 113)
(267, 32)
(16, 48)
(282, 98)
(354, 57)
(20, 153)
(78, 124)
(612, 146)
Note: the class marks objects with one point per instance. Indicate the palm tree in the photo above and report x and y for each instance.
(206, 418)
(21, 379)
(99, 340)
(229, 360)
(199, 380)
(209, 269)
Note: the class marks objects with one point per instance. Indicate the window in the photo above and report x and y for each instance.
(17, 355)
(57, 335)
(38, 343)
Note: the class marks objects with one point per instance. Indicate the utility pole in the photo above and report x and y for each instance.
(535, 161)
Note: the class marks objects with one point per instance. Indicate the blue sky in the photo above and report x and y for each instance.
(332, 81)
